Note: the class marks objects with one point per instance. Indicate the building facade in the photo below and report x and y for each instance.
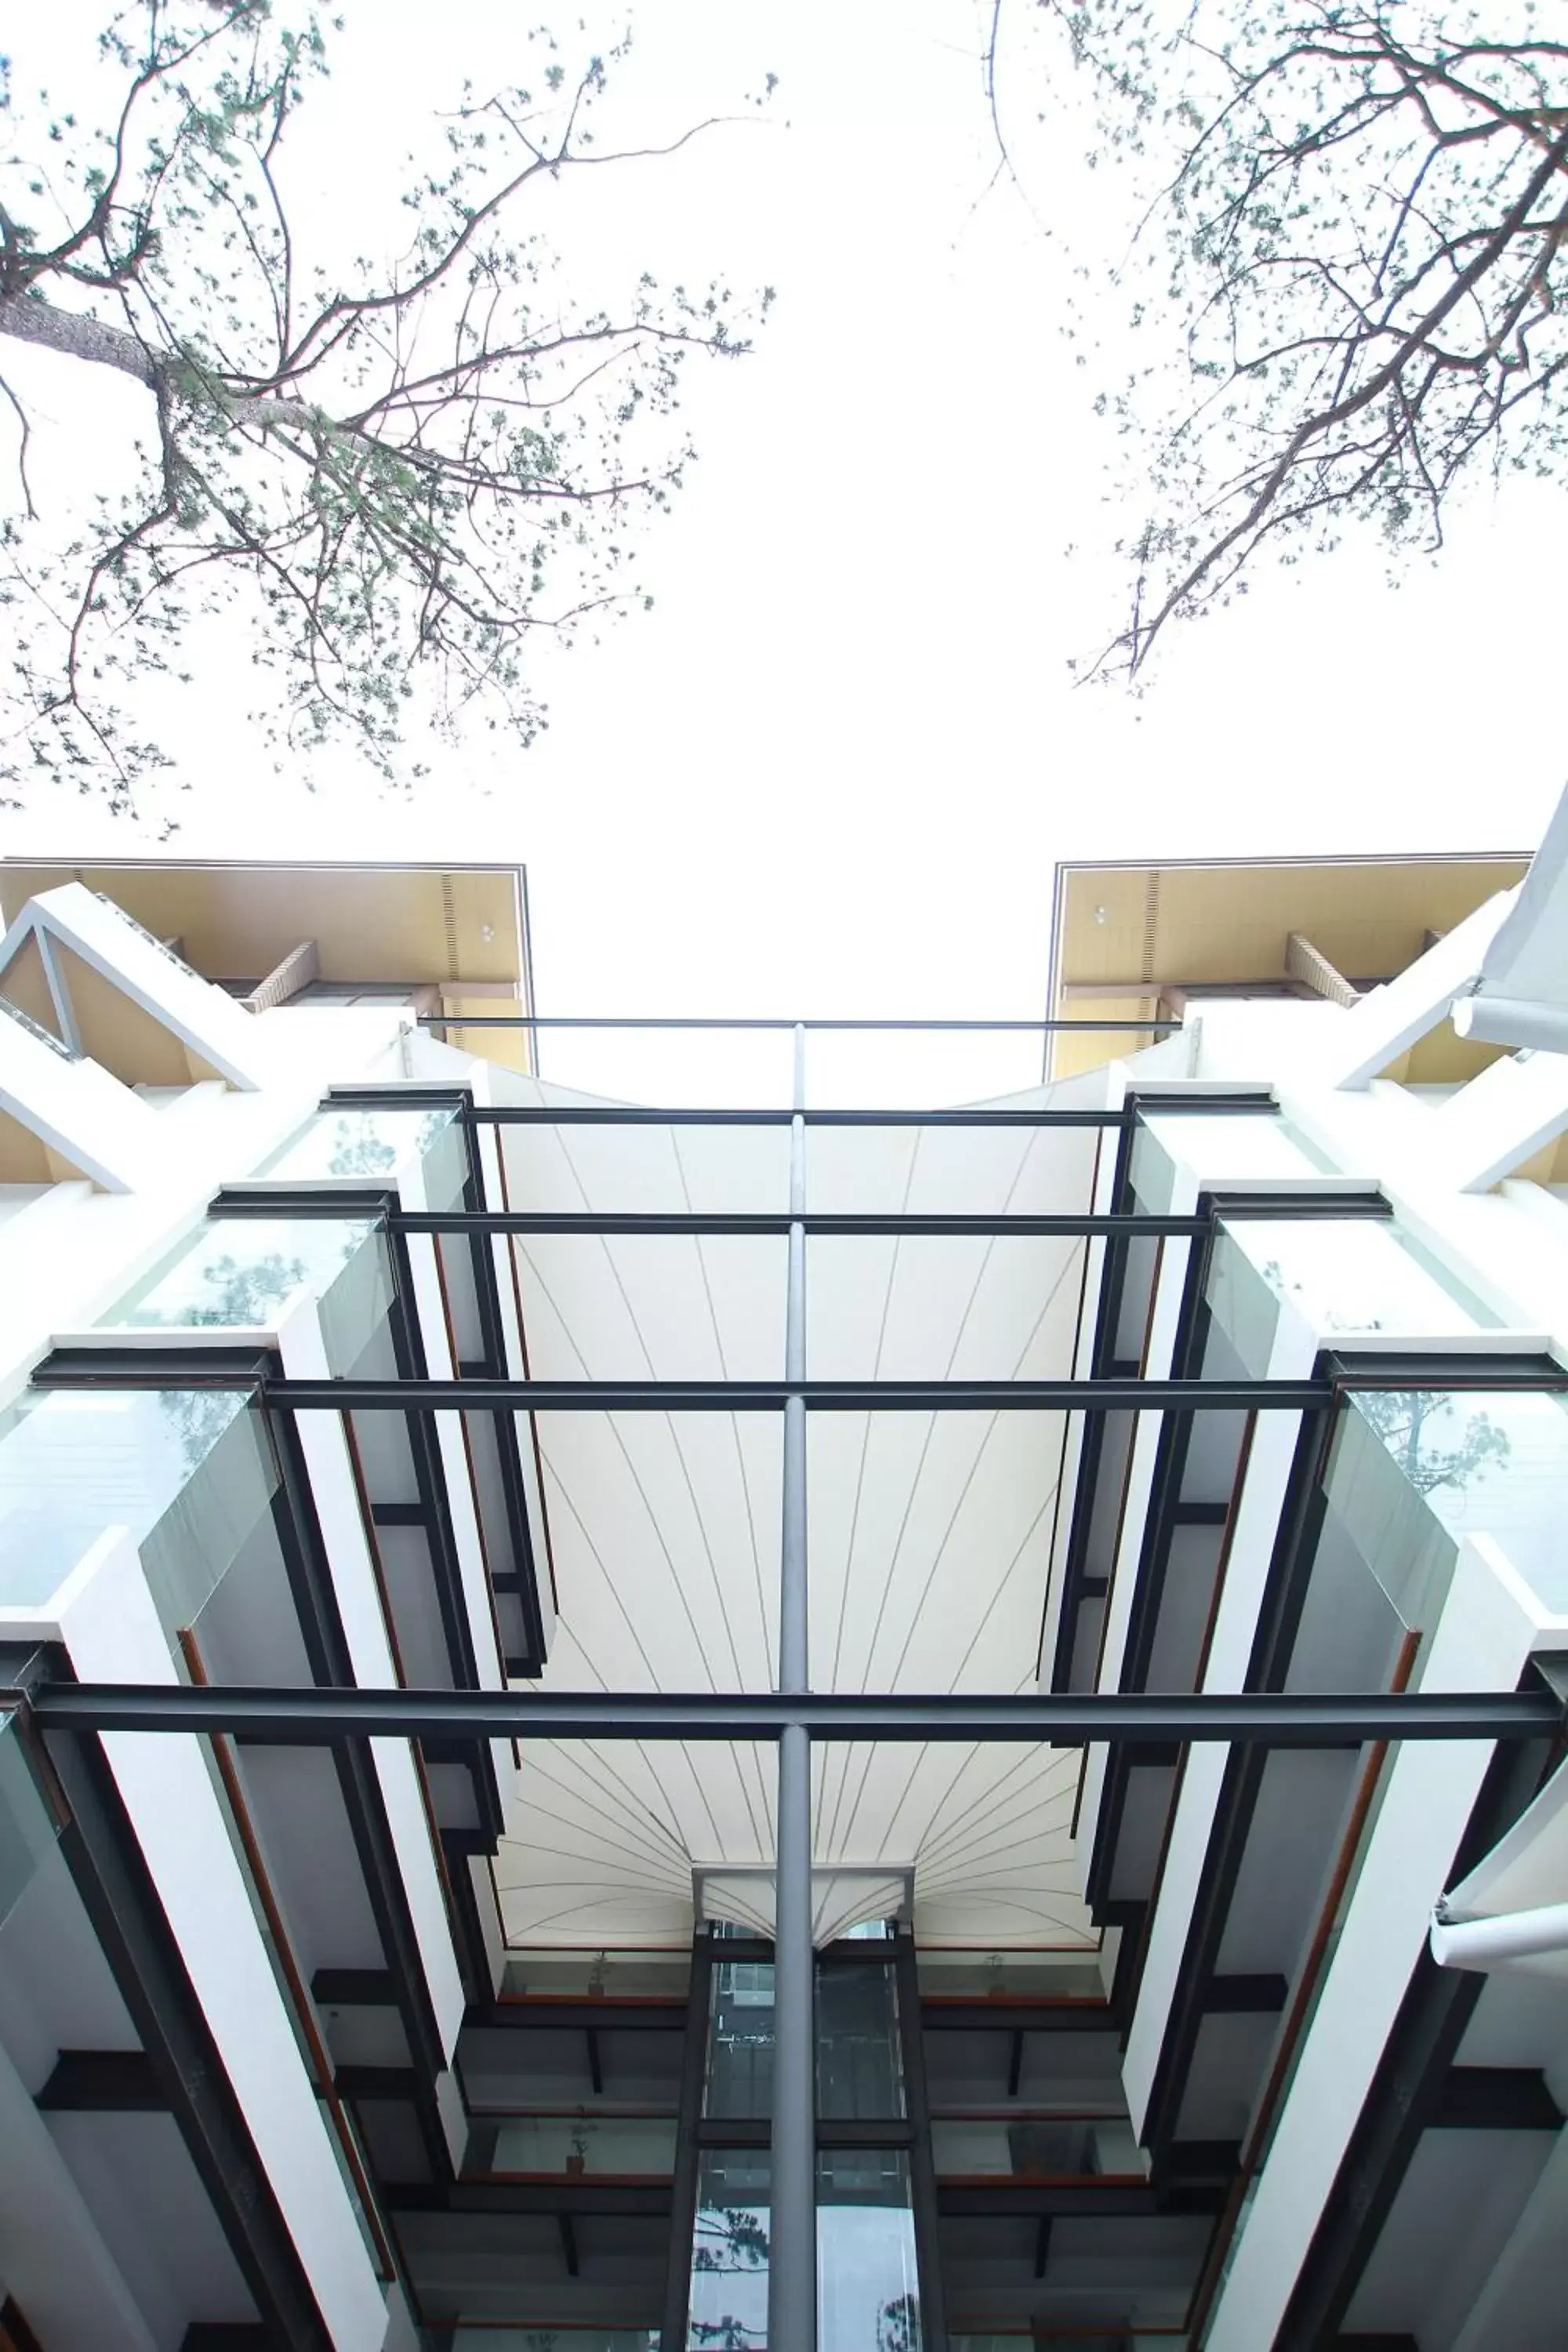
(815, 1725)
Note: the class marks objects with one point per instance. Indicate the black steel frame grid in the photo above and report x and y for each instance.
(1102, 1355)
(922, 2167)
(1163, 1517)
(688, 2143)
(1403, 2099)
(428, 1472)
(315, 1595)
(1279, 1615)
(739, 1021)
(770, 1396)
(618, 1114)
(245, 1200)
(105, 1861)
(1268, 1718)
(459, 1099)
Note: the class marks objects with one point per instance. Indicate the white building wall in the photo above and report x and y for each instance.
(111, 1632)
(1488, 1628)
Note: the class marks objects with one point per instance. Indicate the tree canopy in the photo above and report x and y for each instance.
(1348, 291)
(392, 470)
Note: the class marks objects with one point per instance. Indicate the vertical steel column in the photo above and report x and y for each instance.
(792, 2260)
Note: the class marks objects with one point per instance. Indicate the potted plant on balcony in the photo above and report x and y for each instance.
(577, 2151)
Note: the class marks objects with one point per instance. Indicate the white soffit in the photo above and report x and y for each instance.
(929, 1535)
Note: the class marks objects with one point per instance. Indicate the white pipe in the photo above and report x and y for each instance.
(1510, 1935)
(1513, 1021)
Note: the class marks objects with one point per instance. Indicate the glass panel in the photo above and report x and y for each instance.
(859, 2067)
(482, 2336)
(244, 1273)
(575, 2146)
(739, 2080)
(610, 1976)
(998, 1976)
(867, 2285)
(1414, 1470)
(363, 1143)
(27, 1828)
(75, 1461)
(238, 1272)
(728, 2308)
(1023, 2148)
(1340, 1274)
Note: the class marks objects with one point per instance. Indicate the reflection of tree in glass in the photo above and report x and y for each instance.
(1406, 1420)
(359, 1151)
(898, 2325)
(246, 1294)
(199, 1417)
(1324, 1318)
(727, 2239)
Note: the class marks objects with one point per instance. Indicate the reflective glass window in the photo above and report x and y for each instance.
(867, 2284)
(739, 2080)
(860, 2068)
(728, 2304)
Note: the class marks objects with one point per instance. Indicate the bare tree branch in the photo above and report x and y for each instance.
(1363, 238)
(390, 473)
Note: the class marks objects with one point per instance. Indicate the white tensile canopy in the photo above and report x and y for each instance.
(929, 1534)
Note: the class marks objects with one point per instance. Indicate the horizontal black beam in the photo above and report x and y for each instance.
(257, 1201)
(377, 2082)
(587, 2013)
(739, 1021)
(297, 1717)
(615, 1114)
(1230, 1995)
(943, 2013)
(578, 2195)
(770, 1396)
(996, 2196)
(1495, 2098)
(103, 2082)
(354, 1988)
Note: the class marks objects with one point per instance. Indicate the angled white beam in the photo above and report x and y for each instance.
(59, 994)
(1504, 1115)
(1390, 1019)
(202, 1017)
(78, 1110)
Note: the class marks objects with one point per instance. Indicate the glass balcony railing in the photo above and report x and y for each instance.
(584, 2146)
(1006, 1976)
(247, 1273)
(186, 1473)
(368, 1146)
(1018, 2147)
(596, 1975)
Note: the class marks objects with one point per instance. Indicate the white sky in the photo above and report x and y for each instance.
(832, 770)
